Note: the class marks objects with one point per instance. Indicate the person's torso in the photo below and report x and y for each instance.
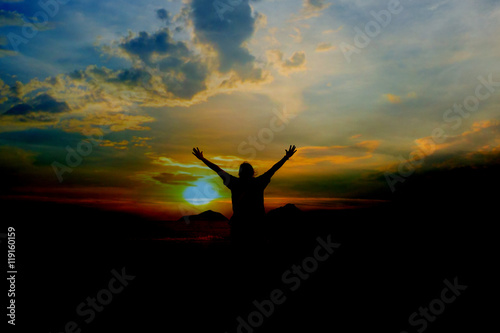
(248, 197)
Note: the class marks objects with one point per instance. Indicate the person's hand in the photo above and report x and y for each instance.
(198, 153)
(289, 153)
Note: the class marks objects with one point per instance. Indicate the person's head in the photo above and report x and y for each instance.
(246, 170)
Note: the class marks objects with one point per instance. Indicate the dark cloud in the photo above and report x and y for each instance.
(192, 83)
(6, 52)
(297, 59)
(130, 77)
(47, 103)
(295, 63)
(182, 72)
(177, 179)
(45, 137)
(319, 4)
(4, 49)
(440, 177)
(10, 18)
(312, 8)
(20, 109)
(160, 43)
(452, 189)
(227, 33)
(163, 15)
(14, 18)
(41, 103)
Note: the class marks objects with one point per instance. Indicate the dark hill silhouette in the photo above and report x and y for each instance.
(286, 213)
(208, 215)
(286, 226)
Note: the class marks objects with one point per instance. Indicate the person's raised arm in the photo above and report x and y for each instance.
(288, 153)
(199, 155)
(223, 174)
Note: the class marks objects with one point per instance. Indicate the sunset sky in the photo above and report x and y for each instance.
(101, 102)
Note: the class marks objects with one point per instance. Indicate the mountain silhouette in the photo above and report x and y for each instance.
(289, 212)
(285, 226)
(208, 215)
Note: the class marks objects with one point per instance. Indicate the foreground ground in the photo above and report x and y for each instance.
(387, 263)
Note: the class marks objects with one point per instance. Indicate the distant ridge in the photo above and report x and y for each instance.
(208, 215)
(287, 212)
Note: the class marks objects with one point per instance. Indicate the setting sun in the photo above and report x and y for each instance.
(201, 193)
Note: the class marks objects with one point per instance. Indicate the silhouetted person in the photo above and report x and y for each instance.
(247, 196)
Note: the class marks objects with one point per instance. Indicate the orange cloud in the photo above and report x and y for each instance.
(336, 154)
(178, 178)
(115, 121)
(141, 141)
(297, 62)
(331, 31)
(310, 9)
(483, 136)
(122, 145)
(323, 47)
(395, 99)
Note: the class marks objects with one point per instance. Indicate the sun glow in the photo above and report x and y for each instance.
(201, 193)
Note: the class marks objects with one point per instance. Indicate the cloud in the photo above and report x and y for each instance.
(10, 18)
(33, 120)
(96, 98)
(107, 98)
(315, 5)
(15, 19)
(16, 167)
(16, 157)
(394, 99)
(163, 15)
(163, 66)
(163, 72)
(297, 62)
(483, 138)
(170, 162)
(175, 178)
(311, 155)
(332, 31)
(4, 51)
(42, 110)
(297, 38)
(141, 141)
(310, 9)
(172, 81)
(228, 36)
(122, 145)
(260, 21)
(41, 103)
(160, 43)
(107, 121)
(323, 47)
